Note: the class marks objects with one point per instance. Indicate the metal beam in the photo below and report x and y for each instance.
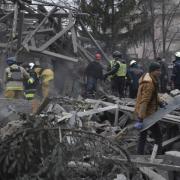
(28, 37)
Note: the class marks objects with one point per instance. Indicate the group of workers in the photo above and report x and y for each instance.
(117, 72)
(124, 78)
(25, 82)
(142, 86)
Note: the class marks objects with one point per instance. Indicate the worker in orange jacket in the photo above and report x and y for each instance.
(46, 76)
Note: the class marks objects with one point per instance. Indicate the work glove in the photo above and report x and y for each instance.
(30, 81)
(139, 124)
(162, 104)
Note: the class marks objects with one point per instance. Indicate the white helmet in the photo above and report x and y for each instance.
(177, 54)
(31, 65)
(132, 62)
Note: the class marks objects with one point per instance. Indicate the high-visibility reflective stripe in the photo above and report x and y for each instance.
(29, 95)
(15, 88)
(48, 79)
(122, 69)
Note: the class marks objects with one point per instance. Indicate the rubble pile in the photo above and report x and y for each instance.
(76, 139)
(51, 145)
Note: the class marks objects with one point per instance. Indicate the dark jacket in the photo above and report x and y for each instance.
(176, 73)
(164, 70)
(94, 69)
(134, 73)
(34, 85)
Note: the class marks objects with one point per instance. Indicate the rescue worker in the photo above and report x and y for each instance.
(117, 71)
(134, 73)
(94, 71)
(164, 75)
(147, 103)
(176, 72)
(31, 88)
(46, 77)
(13, 79)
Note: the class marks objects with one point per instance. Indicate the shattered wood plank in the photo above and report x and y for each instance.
(167, 118)
(95, 111)
(95, 107)
(83, 167)
(102, 102)
(116, 115)
(154, 153)
(151, 174)
(91, 112)
(43, 105)
(169, 141)
(139, 162)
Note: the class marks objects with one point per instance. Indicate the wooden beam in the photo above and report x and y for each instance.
(28, 37)
(57, 36)
(14, 25)
(63, 57)
(73, 34)
(151, 174)
(94, 41)
(144, 163)
(20, 29)
(84, 51)
(169, 141)
(32, 15)
(5, 17)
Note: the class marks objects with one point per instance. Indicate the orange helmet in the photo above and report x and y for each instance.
(98, 56)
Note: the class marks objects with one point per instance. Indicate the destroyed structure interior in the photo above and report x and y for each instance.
(70, 137)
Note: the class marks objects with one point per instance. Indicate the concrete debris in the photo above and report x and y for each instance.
(86, 129)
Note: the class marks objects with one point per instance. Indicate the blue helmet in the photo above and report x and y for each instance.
(11, 60)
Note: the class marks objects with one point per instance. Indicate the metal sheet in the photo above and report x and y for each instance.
(173, 103)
